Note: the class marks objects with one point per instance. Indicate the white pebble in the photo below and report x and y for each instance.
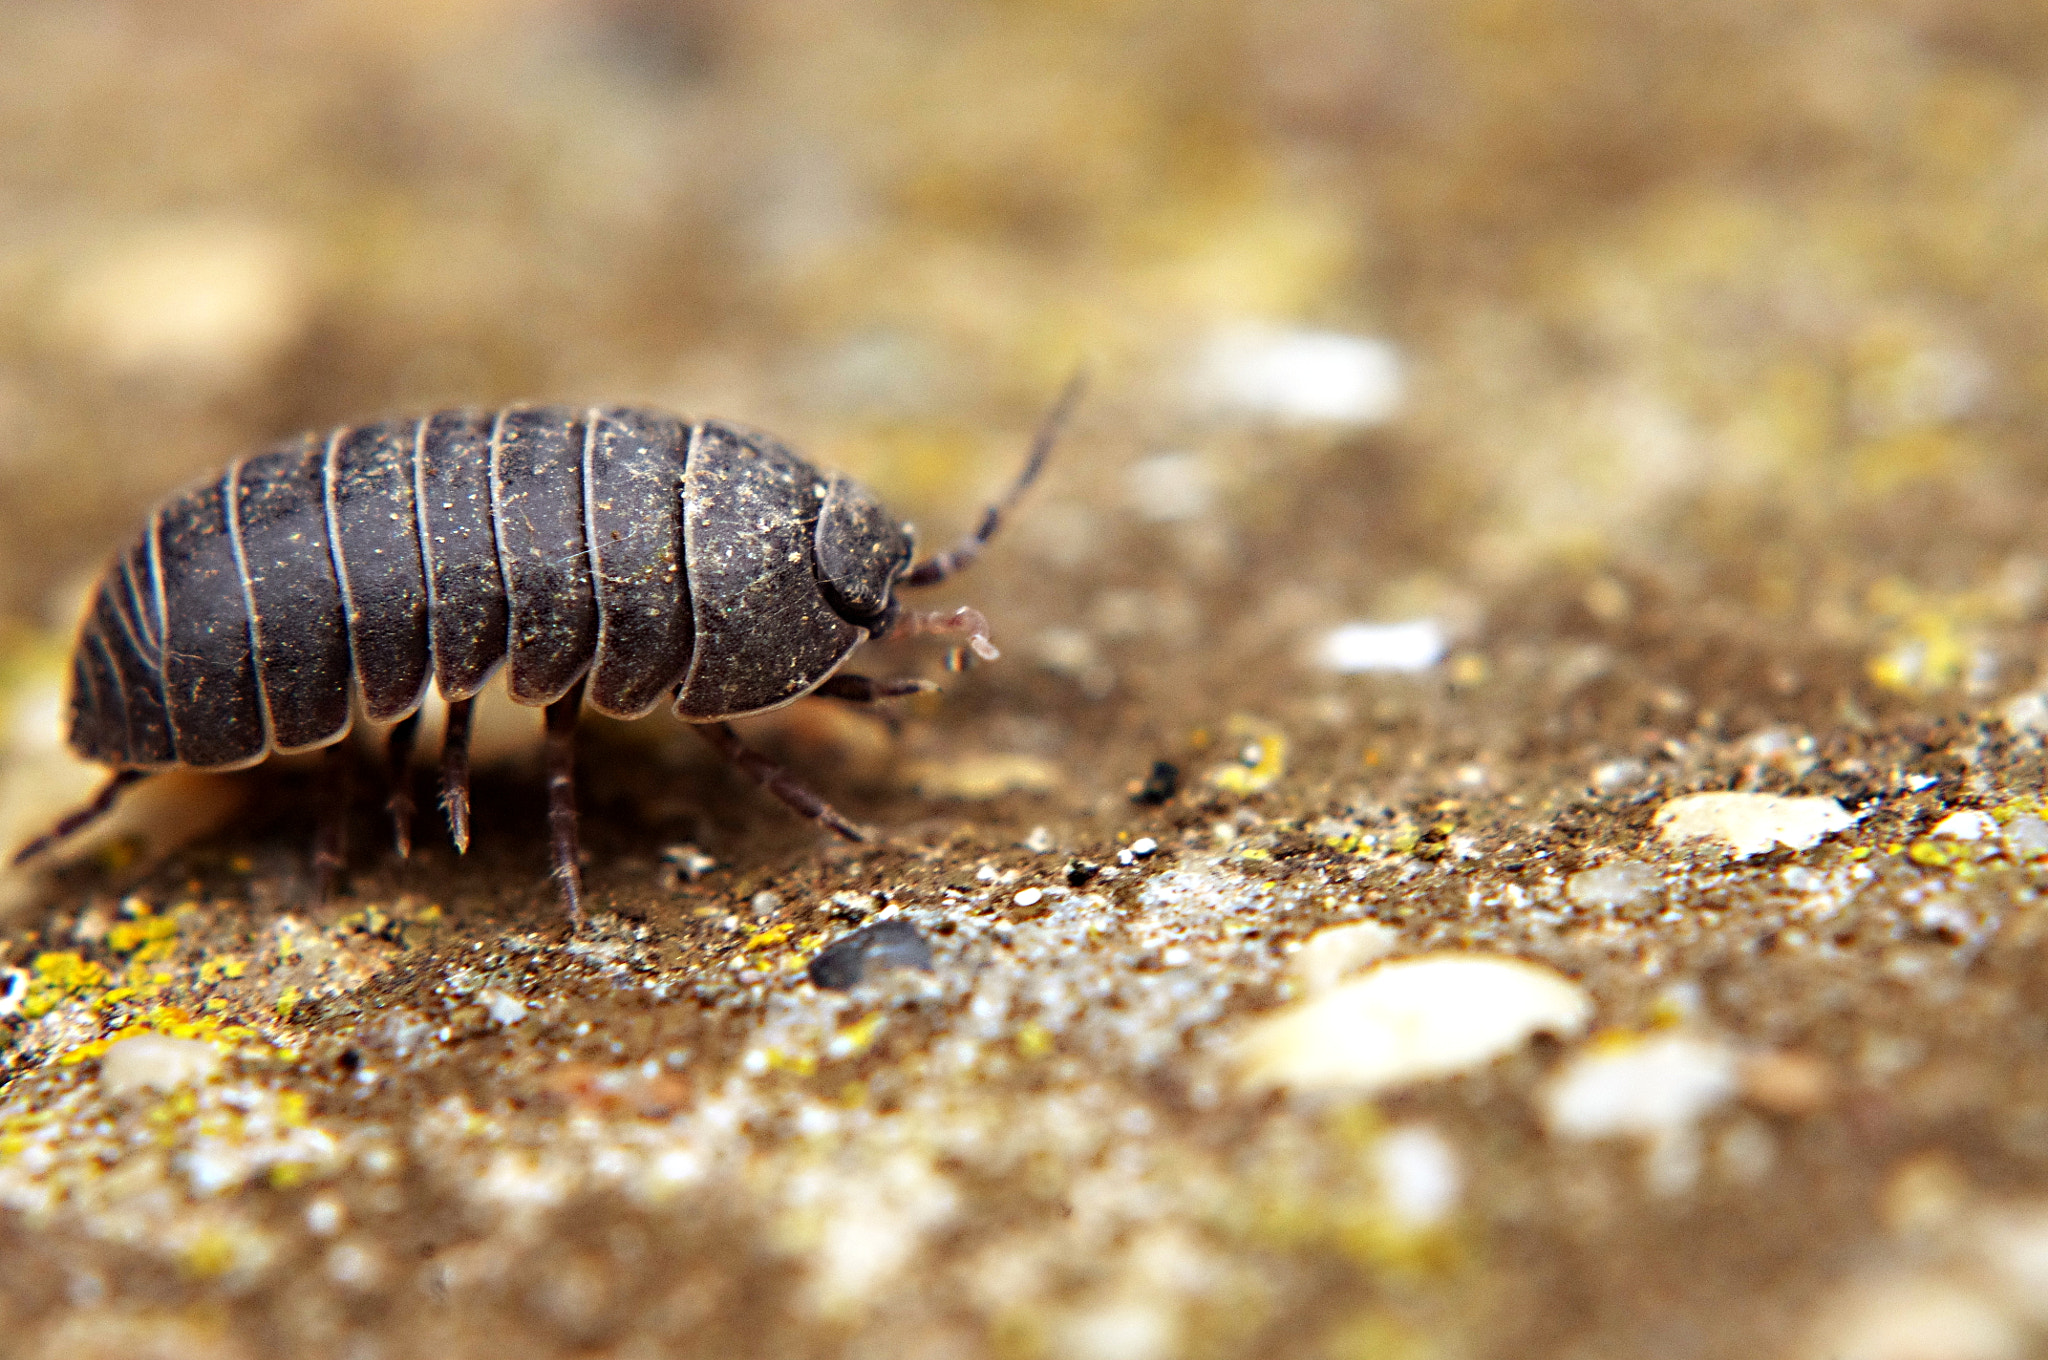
(1169, 487)
(1751, 823)
(156, 1062)
(691, 862)
(1039, 841)
(1301, 375)
(1617, 775)
(1418, 1174)
(1410, 1020)
(1030, 897)
(1966, 826)
(1613, 885)
(2027, 837)
(1144, 847)
(1361, 647)
(324, 1216)
(1642, 1088)
(1332, 954)
(504, 1008)
(1915, 1317)
(2014, 1243)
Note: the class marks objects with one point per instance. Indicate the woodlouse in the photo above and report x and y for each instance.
(615, 555)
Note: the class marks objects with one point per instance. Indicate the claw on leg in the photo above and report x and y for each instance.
(455, 773)
(398, 766)
(561, 760)
(777, 780)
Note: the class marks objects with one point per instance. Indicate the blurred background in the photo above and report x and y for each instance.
(1607, 277)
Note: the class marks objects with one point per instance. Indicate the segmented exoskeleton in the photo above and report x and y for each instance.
(613, 555)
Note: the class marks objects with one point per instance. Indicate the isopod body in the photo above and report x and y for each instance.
(619, 555)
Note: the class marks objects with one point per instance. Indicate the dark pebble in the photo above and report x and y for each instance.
(852, 959)
(1159, 786)
(1081, 872)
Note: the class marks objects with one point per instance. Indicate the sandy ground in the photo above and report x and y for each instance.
(1506, 421)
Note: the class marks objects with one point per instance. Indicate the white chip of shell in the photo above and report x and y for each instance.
(1749, 824)
(1613, 885)
(156, 1062)
(1642, 1088)
(1300, 375)
(1333, 953)
(1419, 1176)
(1968, 825)
(2027, 837)
(1411, 1020)
(503, 1007)
(1362, 647)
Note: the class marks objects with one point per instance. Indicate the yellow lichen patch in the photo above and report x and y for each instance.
(1933, 642)
(57, 976)
(146, 937)
(856, 1037)
(169, 1021)
(1959, 857)
(1034, 1040)
(1261, 757)
(767, 938)
(222, 966)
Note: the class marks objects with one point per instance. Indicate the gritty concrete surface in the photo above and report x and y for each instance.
(1507, 422)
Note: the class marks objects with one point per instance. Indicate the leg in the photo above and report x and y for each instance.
(561, 754)
(73, 822)
(455, 773)
(860, 689)
(330, 842)
(398, 766)
(777, 780)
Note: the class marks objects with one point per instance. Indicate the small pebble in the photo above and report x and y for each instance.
(1915, 1316)
(1640, 1087)
(1613, 885)
(1039, 841)
(1159, 786)
(503, 1007)
(1616, 775)
(852, 959)
(156, 1062)
(1361, 648)
(1966, 826)
(1752, 823)
(1080, 873)
(1168, 488)
(1786, 1083)
(764, 903)
(1411, 1020)
(689, 861)
(1330, 955)
(2027, 837)
(1030, 897)
(1418, 1174)
(1300, 375)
